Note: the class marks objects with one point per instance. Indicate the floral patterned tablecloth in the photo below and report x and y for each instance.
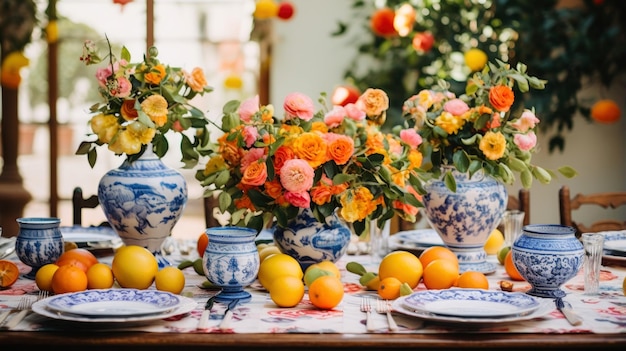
(604, 313)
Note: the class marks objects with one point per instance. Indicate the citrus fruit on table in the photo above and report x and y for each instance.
(69, 278)
(402, 265)
(202, 243)
(510, 268)
(389, 288)
(268, 251)
(170, 279)
(326, 292)
(278, 265)
(43, 277)
(134, 267)
(9, 272)
(79, 257)
(502, 253)
(440, 274)
(286, 291)
(472, 279)
(99, 276)
(494, 242)
(437, 252)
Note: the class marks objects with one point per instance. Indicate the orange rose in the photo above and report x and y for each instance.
(374, 102)
(501, 97)
(155, 75)
(255, 174)
(229, 150)
(282, 154)
(311, 148)
(274, 188)
(196, 79)
(321, 194)
(128, 110)
(341, 149)
(244, 203)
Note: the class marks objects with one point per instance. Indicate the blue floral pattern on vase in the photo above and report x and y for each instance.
(143, 200)
(547, 256)
(309, 241)
(39, 241)
(465, 218)
(231, 261)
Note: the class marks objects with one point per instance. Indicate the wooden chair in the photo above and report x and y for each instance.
(209, 204)
(79, 203)
(605, 200)
(522, 203)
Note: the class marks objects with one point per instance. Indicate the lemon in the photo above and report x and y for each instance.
(43, 278)
(268, 251)
(286, 291)
(278, 265)
(134, 267)
(170, 279)
(475, 59)
(402, 265)
(494, 242)
(328, 266)
(99, 276)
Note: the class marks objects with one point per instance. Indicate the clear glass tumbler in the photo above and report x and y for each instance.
(593, 244)
(513, 220)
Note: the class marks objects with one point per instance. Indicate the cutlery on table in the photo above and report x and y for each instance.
(383, 307)
(568, 312)
(204, 318)
(21, 304)
(367, 308)
(228, 315)
(24, 307)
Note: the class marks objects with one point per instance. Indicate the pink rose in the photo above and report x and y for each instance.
(250, 134)
(102, 74)
(525, 142)
(334, 117)
(411, 137)
(248, 108)
(296, 175)
(300, 106)
(456, 107)
(354, 112)
(301, 199)
(123, 88)
(527, 121)
(253, 155)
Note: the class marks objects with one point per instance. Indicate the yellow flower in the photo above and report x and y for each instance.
(357, 204)
(449, 122)
(155, 106)
(215, 164)
(11, 67)
(105, 126)
(493, 145)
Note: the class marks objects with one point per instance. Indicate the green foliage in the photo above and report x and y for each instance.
(567, 46)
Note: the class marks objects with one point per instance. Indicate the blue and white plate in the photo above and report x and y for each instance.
(418, 238)
(113, 302)
(91, 237)
(615, 242)
(475, 303)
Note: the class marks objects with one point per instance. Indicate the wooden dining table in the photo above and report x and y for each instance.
(261, 325)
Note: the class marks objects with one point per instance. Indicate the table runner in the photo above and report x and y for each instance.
(604, 313)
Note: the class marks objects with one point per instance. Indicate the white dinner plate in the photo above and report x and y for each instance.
(91, 237)
(418, 238)
(615, 242)
(544, 307)
(186, 305)
(471, 303)
(113, 302)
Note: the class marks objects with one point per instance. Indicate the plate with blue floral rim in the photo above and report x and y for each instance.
(471, 303)
(417, 238)
(615, 242)
(91, 237)
(113, 302)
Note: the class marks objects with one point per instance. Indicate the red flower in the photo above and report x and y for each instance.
(423, 41)
(382, 22)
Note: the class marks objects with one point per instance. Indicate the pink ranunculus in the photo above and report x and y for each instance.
(527, 121)
(124, 87)
(102, 74)
(301, 199)
(411, 137)
(298, 105)
(334, 117)
(525, 142)
(354, 112)
(248, 108)
(296, 175)
(250, 134)
(253, 155)
(456, 107)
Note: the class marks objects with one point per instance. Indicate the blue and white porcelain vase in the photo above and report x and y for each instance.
(309, 241)
(39, 241)
(231, 261)
(465, 218)
(143, 200)
(547, 256)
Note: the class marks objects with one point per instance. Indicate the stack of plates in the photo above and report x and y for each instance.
(469, 306)
(614, 248)
(114, 305)
(92, 237)
(415, 241)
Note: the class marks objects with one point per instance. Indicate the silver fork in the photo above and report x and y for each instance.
(24, 308)
(367, 308)
(384, 308)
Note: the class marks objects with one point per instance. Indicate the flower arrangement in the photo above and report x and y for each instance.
(142, 102)
(482, 129)
(334, 160)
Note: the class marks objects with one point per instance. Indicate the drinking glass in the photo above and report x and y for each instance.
(593, 244)
(513, 220)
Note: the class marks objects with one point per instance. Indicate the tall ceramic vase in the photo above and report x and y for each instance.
(310, 241)
(143, 200)
(465, 218)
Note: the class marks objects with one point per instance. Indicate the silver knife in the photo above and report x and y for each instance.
(204, 318)
(228, 315)
(568, 312)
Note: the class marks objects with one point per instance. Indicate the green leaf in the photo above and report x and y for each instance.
(448, 179)
(224, 201)
(568, 171)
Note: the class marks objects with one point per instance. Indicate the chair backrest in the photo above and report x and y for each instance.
(79, 203)
(210, 203)
(522, 203)
(567, 204)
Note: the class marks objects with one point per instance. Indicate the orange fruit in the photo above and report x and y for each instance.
(441, 274)
(326, 292)
(9, 272)
(402, 265)
(43, 277)
(69, 278)
(202, 243)
(605, 111)
(134, 267)
(437, 252)
(389, 288)
(99, 276)
(472, 279)
(170, 279)
(510, 268)
(79, 257)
